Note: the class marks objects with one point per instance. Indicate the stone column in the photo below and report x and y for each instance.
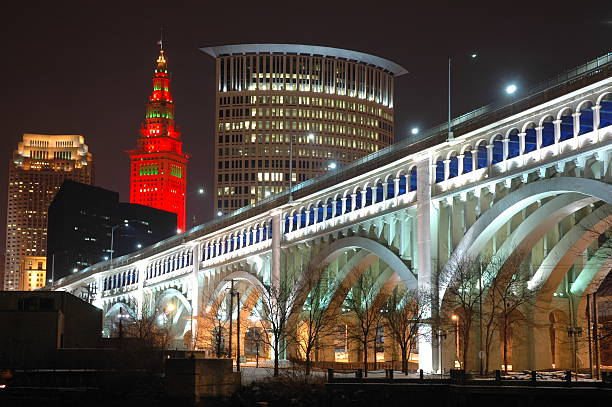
(521, 137)
(576, 117)
(426, 239)
(363, 197)
(343, 208)
(446, 169)
(396, 185)
(460, 159)
(474, 160)
(539, 130)
(275, 274)
(489, 154)
(353, 202)
(557, 124)
(596, 116)
(195, 293)
(505, 149)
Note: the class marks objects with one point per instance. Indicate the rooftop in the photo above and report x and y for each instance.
(347, 54)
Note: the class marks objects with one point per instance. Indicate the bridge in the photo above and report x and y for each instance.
(531, 178)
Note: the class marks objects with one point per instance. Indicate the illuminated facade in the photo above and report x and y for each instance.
(333, 105)
(40, 165)
(158, 166)
(33, 273)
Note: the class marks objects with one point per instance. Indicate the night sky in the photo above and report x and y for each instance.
(85, 67)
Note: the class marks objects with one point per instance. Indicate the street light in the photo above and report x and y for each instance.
(455, 318)
(219, 213)
(309, 137)
(139, 246)
(201, 191)
(414, 131)
(170, 308)
(511, 89)
(332, 166)
(473, 55)
(124, 224)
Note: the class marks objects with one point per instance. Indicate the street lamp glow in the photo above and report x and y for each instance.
(474, 55)
(201, 191)
(311, 137)
(105, 257)
(74, 270)
(170, 308)
(414, 130)
(332, 166)
(139, 246)
(454, 317)
(510, 89)
(219, 213)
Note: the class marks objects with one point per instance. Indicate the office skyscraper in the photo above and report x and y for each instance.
(317, 107)
(39, 166)
(158, 165)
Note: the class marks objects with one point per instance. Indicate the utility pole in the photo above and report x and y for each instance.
(231, 315)
(596, 337)
(238, 332)
(450, 132)
(480, 351)
(589, 325)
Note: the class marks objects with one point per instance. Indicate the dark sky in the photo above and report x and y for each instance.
(85, 67)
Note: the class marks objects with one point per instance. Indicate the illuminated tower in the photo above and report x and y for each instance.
(158, 166)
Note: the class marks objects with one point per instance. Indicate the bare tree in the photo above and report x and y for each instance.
(317, 320)
(274, 314)
(364, 305)
(464, 295)
(213, 321)
(509, 294)
(404, 311)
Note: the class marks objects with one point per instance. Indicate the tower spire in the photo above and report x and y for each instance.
(161, 59)
(161, 39)
(158, 164)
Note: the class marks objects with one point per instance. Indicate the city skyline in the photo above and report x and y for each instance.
(97, 80)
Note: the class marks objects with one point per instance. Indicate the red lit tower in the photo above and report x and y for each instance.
(158, 166)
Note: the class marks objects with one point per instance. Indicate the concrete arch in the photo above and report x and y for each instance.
(512, 131)
(531, 230)
(602, 96)
(593, 273)
(564, 110)
(451, 154)
(236, 275)
(466, 147)
(527, 125)
(546, 118)
(335, 249)
(496, 136)
(587, 102)
(488, 223)
(115, 308)
(173, 292)
(561, 258)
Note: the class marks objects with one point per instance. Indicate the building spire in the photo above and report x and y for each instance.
(161, 59)
(161, 39)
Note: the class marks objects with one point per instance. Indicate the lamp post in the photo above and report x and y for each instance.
(235, 292)
(455, 319)
(450, 132)
(441, 334)
(113, 240)
(310, 137)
